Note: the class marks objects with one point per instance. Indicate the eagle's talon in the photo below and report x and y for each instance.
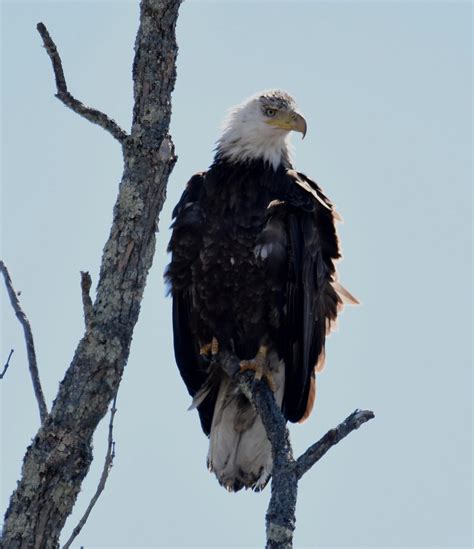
(205, 350)
(211, 348)
(259, 365)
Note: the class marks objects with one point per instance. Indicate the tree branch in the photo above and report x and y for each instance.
(286, 472)
(7, 364)
(108, 463)
(86, 284)
(315, 452)
(30, 345)
(280, 517)
(93, 115)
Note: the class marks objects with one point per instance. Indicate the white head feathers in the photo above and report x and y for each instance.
(259, 127)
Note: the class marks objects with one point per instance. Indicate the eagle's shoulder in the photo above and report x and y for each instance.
(191, 193)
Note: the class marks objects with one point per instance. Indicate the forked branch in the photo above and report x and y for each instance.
(286, 471)
(30, 345)
(93, 115)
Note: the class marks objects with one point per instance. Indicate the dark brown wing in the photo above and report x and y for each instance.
(311, 300)
(184, 245)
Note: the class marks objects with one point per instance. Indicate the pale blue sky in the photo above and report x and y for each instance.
(386, 89)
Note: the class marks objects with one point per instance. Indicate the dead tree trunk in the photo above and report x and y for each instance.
(60, 455)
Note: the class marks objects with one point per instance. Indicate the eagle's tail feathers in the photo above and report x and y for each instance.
(239, 451)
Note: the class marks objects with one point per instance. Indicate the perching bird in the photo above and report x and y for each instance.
(252, 273)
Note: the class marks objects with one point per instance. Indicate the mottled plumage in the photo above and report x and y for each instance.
(253, 250)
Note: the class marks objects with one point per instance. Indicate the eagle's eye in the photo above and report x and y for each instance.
(270, 112)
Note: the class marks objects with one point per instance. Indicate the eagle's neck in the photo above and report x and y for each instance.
(244, 145)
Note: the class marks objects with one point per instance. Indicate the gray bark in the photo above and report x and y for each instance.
(60, 454)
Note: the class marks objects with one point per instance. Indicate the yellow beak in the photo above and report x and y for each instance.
(291, 121)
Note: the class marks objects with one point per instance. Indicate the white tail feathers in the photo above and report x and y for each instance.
(239, 451)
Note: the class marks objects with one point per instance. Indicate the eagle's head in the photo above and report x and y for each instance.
(258, 128)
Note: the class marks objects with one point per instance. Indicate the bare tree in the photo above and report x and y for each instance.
(60, 455)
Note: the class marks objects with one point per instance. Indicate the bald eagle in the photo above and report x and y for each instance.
(252, 273)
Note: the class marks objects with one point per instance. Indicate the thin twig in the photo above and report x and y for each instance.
(315, 452)
(86, 284)
(93, 115)
(7, 364)
(108, 462)
(30, 346)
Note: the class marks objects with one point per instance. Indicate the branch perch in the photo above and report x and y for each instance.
(30, 345)
(93, 115)
(286, 471)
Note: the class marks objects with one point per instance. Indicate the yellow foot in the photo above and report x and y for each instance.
(259, 365)
(205, 349)
(211, 348)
